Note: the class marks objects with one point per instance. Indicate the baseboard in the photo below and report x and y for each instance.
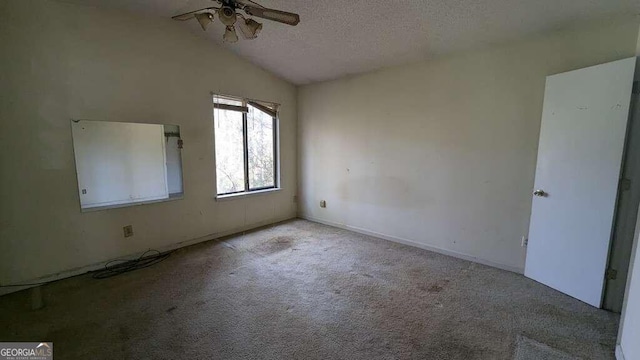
(415, 244)
(619, 353)
(92, 267)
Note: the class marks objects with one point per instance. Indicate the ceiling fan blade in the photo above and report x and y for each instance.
(191, 14)
(273, 15)
(248, 3)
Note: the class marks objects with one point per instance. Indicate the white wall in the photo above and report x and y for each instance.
(628, 345)
(62, 62)
(442, 153)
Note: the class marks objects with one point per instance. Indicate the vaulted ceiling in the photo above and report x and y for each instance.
(341, 37)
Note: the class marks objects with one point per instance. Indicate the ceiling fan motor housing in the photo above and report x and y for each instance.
(227, 15)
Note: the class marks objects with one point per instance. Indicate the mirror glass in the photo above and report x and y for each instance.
(120, 164)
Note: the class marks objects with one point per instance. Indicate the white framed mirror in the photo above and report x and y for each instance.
(122, 164)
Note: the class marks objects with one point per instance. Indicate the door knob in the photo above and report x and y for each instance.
(540, 193)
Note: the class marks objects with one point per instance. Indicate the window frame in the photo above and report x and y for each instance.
(244, 110)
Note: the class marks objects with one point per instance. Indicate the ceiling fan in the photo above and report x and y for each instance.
(230, 17)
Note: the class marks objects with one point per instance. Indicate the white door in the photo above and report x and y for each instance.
(582, 136)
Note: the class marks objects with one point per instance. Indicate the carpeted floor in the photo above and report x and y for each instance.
(301, 290)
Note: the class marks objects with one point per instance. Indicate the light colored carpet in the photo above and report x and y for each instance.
(301, 290)
(528, 349)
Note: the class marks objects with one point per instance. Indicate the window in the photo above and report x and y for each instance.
(246, 145)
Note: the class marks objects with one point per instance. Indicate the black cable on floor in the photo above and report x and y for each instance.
(121, 266)
(116, 267)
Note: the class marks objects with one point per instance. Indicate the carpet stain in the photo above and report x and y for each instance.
(434, 288)
(171, 309)
(123, 333)
(276, 245)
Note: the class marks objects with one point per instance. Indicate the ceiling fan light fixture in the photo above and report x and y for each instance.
(230, 35)
(227, 15)
(204, 19)
(250, 28)
(227, 12)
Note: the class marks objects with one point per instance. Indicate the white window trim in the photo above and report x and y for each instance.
(244, 194)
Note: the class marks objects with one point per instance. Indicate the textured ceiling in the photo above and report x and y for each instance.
(340, 37)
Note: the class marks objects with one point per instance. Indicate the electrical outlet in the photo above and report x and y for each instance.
(323, 204)
(128, 230)
(524, 241)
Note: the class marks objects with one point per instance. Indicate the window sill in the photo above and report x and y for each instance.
(245, 194)
(172, 197)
